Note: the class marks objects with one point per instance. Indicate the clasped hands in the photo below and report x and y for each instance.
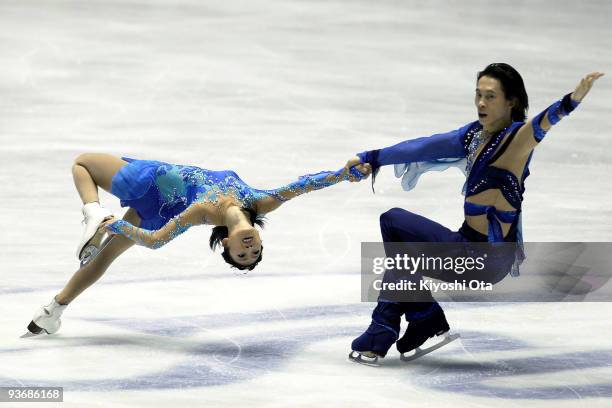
(364, 168)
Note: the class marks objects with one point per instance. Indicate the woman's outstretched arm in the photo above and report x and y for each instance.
(529, 136)
(307, 183)
(195, 214)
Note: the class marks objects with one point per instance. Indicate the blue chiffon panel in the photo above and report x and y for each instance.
(135, 187)
(411, 172)
(135, 179)
(415, 157)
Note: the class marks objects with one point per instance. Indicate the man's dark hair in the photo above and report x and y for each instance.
(512, 85)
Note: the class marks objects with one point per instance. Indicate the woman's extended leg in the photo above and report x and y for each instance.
(92, 271)
(91, 170)
(48, 318)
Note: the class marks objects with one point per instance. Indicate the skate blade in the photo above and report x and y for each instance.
(365, 360)
(90, 252)
(30, 334)
(33, 330)
(95, 240)
(419, 352)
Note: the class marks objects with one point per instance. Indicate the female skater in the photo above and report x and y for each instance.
(494, 152)
(165, 200)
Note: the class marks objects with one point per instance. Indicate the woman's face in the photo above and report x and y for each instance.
(244, 245)
(494, 110)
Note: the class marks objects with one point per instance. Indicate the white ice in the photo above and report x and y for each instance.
(274, 90)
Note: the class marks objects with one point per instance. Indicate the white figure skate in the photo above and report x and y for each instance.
(47, 319)
(92, 236)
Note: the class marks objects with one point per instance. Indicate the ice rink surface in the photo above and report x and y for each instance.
(274, 90)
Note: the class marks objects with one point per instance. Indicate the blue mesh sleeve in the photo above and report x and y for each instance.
(311, 182)
(157, 238)
(150, 239)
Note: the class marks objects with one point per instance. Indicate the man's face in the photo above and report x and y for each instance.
(491, 103)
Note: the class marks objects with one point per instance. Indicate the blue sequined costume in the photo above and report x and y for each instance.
(160, 192)
(459, 148)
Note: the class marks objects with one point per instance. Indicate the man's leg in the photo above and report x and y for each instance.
(425, 316)
(398, 225)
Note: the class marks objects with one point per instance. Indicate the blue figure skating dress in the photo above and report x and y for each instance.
(160, 192)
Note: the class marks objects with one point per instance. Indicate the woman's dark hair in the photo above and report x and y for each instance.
(513, 87)
(221, 232)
